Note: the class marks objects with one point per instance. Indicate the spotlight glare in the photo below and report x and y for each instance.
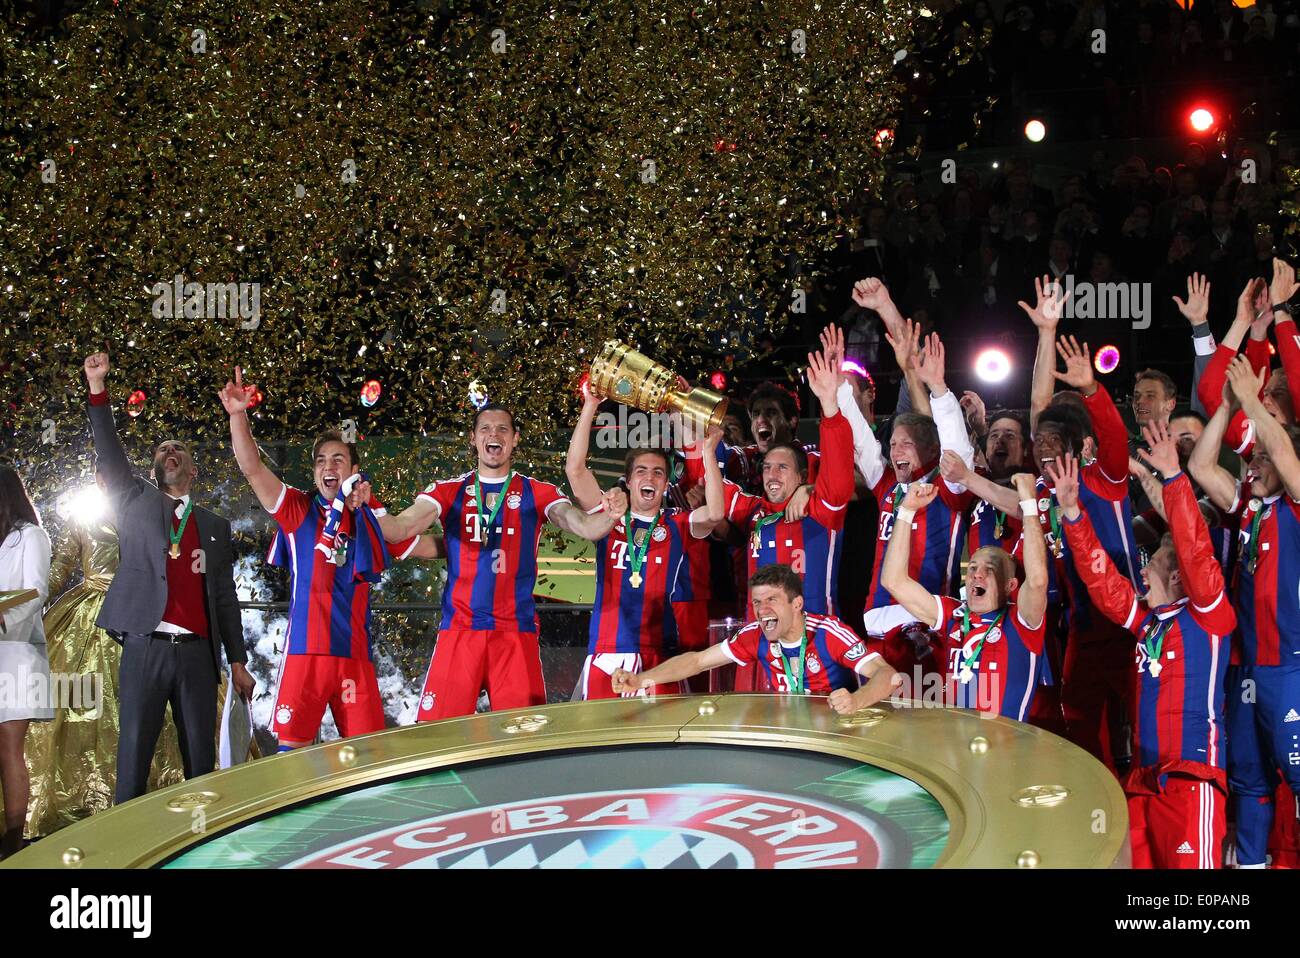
(1107, 359)
(370, 392)
(992, 366)
(1035, 130)
(718, 380)
(85, 505)
(1201, 119)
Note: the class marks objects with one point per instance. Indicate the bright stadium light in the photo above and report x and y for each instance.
(1035, 130)
(1107, 359)
(85, 505)
(1200, 119)
(992, 366)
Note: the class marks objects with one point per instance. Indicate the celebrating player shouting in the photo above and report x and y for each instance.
(644, 562)
(335, 552)
(492, 522)
(992, 642)
(1176, 786)
(797, 652)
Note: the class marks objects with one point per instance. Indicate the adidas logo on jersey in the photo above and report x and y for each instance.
(1186, 849)
(1292, 716)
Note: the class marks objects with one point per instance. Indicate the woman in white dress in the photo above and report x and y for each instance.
(24, 666)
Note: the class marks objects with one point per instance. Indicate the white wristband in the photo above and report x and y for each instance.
(1028, 507)
(905, 516)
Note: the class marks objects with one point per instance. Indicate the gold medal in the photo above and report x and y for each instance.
(1058, 550)
(175, 550)
(635, 580)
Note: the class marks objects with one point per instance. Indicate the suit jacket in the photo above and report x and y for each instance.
(143, 513)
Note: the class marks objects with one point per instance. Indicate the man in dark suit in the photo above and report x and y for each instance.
(172, 603)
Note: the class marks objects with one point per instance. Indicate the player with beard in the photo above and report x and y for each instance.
(644, 574)
(992, 643)
(796, 652)
(1264, 681)
(1176, 787)
(492, 521)
(811, 545)
(335, 551)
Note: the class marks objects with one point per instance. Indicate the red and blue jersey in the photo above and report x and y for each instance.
(812, 545)
(999, 656)
(990, 526)
(1181, 658)
(329, 605)
(833, 655)
(1268, 597)
(640, 619)
(492, 572)
(937, 537)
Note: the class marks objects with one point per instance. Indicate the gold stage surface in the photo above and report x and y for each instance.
(1014, 796)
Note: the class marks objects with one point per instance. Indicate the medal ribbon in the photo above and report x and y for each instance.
(1154, 639)
(496, 508)
(763, 523)
(1252, 545)
(638, 552)
(793, 681)
(176, 533)
(974, 658)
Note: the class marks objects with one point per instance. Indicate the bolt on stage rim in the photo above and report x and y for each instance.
(728, 781)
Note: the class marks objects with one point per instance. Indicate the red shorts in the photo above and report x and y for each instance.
(1284, 839)
(1183, 827)
(598, 673)
(308, 683)
(465, 662)
(692, 624)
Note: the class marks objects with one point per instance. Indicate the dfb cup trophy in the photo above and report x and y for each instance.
(634, 379)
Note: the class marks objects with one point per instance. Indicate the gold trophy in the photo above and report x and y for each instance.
(624, 375)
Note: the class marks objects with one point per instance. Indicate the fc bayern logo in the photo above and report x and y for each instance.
(995, 633)
(513, 500)
(684, 826)
(426, 703)
(813, 665)
(283, 714)
(660, 534)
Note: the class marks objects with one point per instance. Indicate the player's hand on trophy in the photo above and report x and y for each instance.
(841, 700)
(627, 683)
(96, 368)
(359, 496)
(712, 437)
(920, 495)
(589, 399)
(615, 501)
(797, 508)
(236, 397)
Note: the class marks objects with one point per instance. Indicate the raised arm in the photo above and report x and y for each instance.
(1203, 463)
(1245, 384)
(583, 482)
(956, 473)
(834, 483)
(1031, 599)
(235, 399)
(1195, 309)
(894, 574)
(590, 526)
(110, 457)
(1281, 290)
(677, 669)
(867, 454)
(1045, 314)
(906, 342)
(1111, 592)
(1112, 434)
(949, 419)
(1238, 433)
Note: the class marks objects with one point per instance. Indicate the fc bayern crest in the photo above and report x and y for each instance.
(814, 666)
(513, 500)
(283, 714)
(660, 534)
(426, 703)
(715, 826)
(995, 634)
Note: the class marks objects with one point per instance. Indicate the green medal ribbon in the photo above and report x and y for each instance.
(1054, 518)
(176, 534)
(496, 508)
(999, 523)
(762, 524)
(793, 681)
(974, 658)
(638, 552)
(1252, 548)
(1154, 640)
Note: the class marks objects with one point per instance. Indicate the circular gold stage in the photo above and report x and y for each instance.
(730, 781)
